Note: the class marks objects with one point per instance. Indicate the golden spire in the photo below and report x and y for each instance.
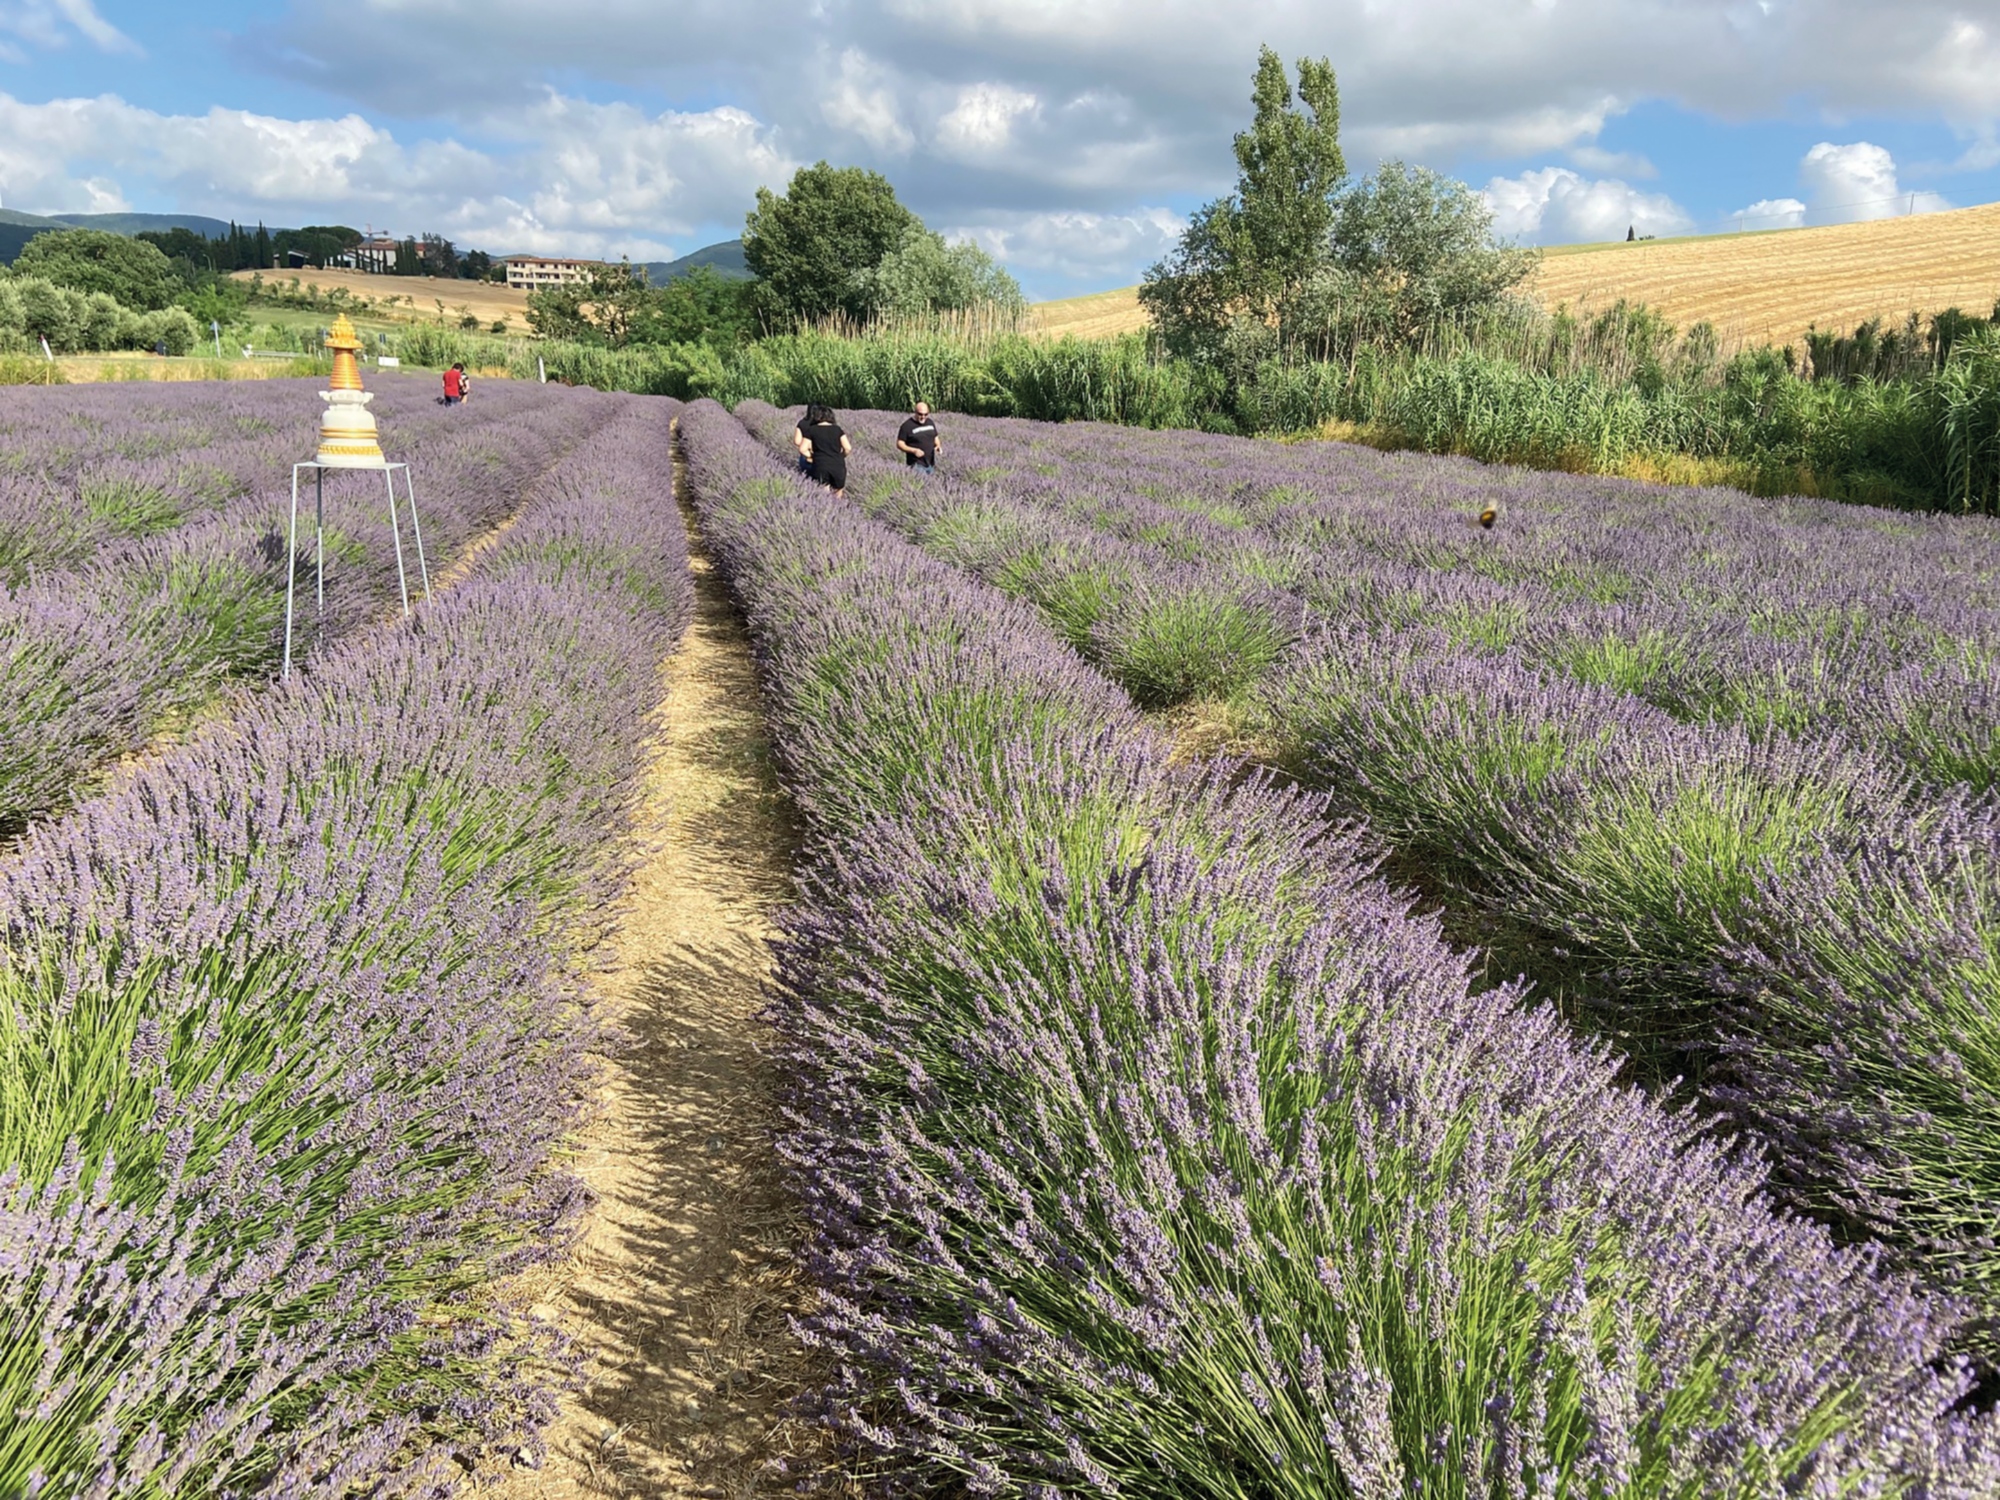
(345, 344)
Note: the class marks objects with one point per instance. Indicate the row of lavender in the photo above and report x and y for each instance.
(99, 657)
(86, 470)
(1816, 930)
(1797, 616)
(1151, 1146)
(287, 1036)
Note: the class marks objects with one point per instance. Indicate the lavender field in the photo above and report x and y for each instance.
(1143, 1126)
(292, 1023)
(1288, 991)
(142, 547)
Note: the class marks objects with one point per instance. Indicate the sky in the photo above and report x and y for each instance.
(1068, 137)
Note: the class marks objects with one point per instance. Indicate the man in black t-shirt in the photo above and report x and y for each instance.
(917, 440)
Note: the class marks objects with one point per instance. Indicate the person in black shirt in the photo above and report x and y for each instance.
(918, 441)
(827, 448)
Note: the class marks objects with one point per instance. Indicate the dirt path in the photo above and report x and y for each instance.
(684, 1276)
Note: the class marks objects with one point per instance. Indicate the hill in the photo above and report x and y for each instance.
(1755, 288)
(16, 229)
(1101, 315)
(725, 259)
(414, 299)
(1769, 287)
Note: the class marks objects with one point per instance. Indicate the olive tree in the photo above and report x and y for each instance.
(1410, 251)
(924, 274)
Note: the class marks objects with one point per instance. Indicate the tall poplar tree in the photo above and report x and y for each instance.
(1249, 256)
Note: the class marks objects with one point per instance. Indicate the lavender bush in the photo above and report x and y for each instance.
(143, 629)
(1152, 1147)
(287, 1035)
(1605, 786)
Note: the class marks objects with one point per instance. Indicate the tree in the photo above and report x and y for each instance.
(320, 244)
(1420, 248)
(605, 307)
(1249, 258)
(924, 275)
(129, 271)
(700, 307)
(437, 256)
(807, 247)
(181, 244)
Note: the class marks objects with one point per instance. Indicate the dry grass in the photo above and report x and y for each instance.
(414, 299)
(1755, 288)
(1768, 288)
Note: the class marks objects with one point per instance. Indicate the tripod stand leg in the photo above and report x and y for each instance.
(423, 568)
(291, 575)
(396, 530)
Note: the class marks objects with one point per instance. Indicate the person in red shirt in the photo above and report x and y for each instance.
(454, 385)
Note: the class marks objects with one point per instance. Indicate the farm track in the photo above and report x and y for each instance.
(684, 1276)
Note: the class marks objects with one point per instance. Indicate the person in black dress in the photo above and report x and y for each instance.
(827, 447)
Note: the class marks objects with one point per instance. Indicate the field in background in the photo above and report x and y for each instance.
(414, 299)
(1755, 288)
(1101, 315)
(1768, 288)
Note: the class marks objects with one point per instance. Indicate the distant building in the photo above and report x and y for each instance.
(377, 254)
(533, 272)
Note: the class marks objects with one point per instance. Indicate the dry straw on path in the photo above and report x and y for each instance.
(681, 1287)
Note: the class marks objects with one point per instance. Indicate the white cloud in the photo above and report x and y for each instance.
(1849, 184)
(1554, 205)
(1769, 213)
(863, 100)
(1078, 246)
(48, 23)
(982, 121)
(565, 174)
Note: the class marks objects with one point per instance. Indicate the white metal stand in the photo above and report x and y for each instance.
(320, 471)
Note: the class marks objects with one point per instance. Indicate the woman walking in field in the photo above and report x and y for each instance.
(826, 448)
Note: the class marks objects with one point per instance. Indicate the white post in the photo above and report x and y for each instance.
(46, 353)
(216, 328)
(541, 369)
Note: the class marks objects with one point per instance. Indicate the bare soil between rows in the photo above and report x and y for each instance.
(682, 1284)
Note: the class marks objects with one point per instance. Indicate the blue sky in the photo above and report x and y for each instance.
(1068, 136)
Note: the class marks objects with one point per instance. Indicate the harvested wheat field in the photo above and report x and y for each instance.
(414, 298)
(1755, 288)
(1769, 288)
(1101, 315)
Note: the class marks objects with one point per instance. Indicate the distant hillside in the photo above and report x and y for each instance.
(1771, 285)
(1759, 287)
(725, 259)
(16, 229)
